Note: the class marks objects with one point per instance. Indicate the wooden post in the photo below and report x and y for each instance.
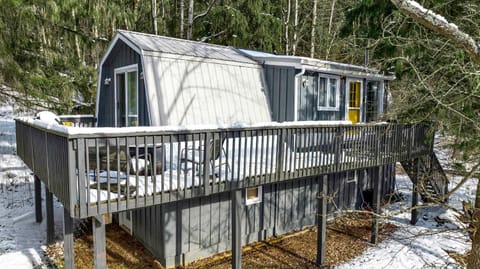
(414, 214)
(236, 228)
(68, 240)
(49, 212)
(99, 252)
(38, 199)
(322, 219)
(377, 203)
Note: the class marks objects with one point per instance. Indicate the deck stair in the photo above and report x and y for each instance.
(432, 180)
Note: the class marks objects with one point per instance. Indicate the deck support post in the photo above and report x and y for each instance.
(38, 199)
(49, 213)
(414, 212)
(322, 219)
(68, 240)
(99, 252)
(237, 207)
(377, 202)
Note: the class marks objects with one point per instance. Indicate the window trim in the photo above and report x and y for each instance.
(354, 179)
(125, 70)
(337, 93)
(255, 200)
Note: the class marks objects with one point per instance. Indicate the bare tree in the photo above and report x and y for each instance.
(182, 19)
(295, 29)
(164, 23)
(190, 19)
(286, 22)
(154, 17)
(332, 11)
(440, 25)
(314, 28)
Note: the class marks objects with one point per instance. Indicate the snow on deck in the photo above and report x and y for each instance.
(424, 245)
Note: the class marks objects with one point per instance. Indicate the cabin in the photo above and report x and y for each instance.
(197, 149)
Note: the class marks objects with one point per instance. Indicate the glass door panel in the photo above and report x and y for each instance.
(354, 101)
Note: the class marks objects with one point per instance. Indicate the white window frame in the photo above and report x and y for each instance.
(125, 70)
(355, 177)
(347, 97)
(327, 97)
(255, 200)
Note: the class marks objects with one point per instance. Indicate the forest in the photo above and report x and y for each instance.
(50, 49)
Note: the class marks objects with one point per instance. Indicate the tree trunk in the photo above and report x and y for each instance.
(190, 19)
(164, 22)
(314, 28)
(182, 15)
(295, 29)
(439, 25)
(332, 11)
(154, 17)
(287, 19)
(473, 261)
(76, 40)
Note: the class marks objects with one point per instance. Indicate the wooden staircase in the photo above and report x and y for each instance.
(428, 174)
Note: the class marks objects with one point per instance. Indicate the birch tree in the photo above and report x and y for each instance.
(314, 29)
(286, 22)
(295, 29)
(154, 17)
(182, 19)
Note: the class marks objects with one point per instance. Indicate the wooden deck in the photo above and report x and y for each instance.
(94, 171)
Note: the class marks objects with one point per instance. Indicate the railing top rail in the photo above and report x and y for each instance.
(105, 132)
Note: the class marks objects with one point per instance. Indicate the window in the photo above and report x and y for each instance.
(374, 100)
(351, 176)
(253, 195)
(328, 93)
(126, 84)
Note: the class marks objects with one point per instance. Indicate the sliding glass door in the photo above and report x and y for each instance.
(126, 84)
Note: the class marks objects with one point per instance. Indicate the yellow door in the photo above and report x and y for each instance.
(354, 98)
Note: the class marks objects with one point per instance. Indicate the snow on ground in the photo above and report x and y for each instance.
(424, 245)
(21, 238)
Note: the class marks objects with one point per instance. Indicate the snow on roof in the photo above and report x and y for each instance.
(155, 43)
(323, 65)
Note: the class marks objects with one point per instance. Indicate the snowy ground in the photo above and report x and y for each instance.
(21, 238)
(424, 245)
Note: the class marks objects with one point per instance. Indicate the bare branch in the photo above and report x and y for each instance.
(440, 25)
(203, 14)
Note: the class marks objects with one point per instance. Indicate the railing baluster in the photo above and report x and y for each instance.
(262, 174)
(81, 177)
(119, 192)
(108, 175)
(97, 173)
(269, 154)
(154, 169)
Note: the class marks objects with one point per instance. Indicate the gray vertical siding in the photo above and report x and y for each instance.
(281, 86)
(121, 55)
(307, 101)
(281, 89)
(189, 229)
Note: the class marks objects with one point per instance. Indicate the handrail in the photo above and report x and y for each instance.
(101, 170)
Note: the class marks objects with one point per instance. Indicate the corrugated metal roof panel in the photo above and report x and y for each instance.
(155, 43)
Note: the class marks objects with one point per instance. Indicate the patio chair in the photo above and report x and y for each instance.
(195, 156)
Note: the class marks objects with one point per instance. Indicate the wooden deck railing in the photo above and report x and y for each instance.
(94, 171)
